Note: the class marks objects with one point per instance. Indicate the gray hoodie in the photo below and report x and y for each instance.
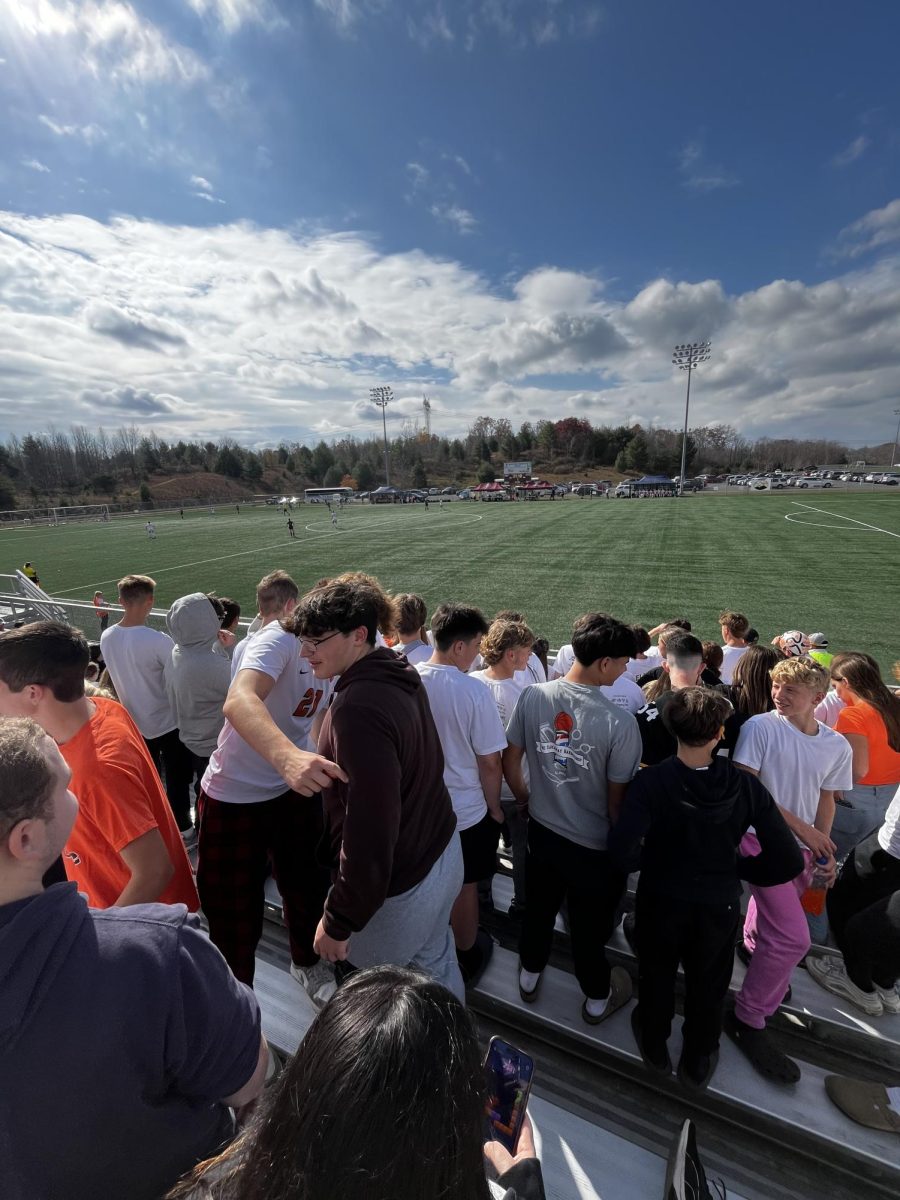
(198, 678)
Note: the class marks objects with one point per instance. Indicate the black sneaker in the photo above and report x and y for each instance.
(696, 1070)
(685, 1176)
(760, 1050)
(655, 1057)
(472, 962)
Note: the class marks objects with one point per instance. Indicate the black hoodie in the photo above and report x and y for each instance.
(691, 822)
(390, 824)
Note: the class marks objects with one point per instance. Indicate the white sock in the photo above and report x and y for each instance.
(596, 1008)
(528, 980)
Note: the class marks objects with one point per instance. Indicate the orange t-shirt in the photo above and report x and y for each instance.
(884, 763)
(120, 798)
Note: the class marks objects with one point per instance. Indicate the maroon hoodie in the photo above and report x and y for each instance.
(388, 826)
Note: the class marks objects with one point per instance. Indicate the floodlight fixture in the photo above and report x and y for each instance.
(383, 396)
(687, 356)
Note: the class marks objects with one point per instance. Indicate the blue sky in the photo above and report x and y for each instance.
(233, 217)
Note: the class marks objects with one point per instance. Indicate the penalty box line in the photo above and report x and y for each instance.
(830, 513)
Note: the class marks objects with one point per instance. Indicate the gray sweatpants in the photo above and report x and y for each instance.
(413, 929)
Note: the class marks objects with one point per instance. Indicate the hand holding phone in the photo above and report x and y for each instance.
(509, 1073)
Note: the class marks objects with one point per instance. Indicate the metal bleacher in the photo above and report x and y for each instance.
(606, 1121)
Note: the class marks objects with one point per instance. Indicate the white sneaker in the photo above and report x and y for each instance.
(831, 974)
(318, 982)
(890, 1000)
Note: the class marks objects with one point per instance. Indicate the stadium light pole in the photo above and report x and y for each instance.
(382, 396)
(686, 357)
(896, 436)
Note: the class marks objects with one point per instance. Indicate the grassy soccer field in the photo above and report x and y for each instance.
(812, 560)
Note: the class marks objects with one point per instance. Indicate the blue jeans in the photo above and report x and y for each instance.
(863, 811)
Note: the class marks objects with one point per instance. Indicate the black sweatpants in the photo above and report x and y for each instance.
(175, 766)
(864, 913)
(557, 870)
(701, 938)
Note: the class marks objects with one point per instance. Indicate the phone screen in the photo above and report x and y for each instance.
(509, 1073)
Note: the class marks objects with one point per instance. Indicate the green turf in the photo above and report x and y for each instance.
(641, 560)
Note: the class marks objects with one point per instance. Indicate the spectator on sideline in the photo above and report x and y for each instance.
(30, 573)
(534, 670)
(125, 847)
(713, 657)
(751, 690)
(802, 763)
(409, 618)
(573, 796)
(504, 648)
(101, 610)
(639, 664)
(133, 1013)
(624, 692)
(734, 627)
(472, 738)
(864, 913)
(198, 677)
(391, 833)
(137, 658)
(228, 622)
(681, 825)
(652, 666)
(410, 1123)
(682, 667)
(818, 650)
(259, 799)
(870, 721)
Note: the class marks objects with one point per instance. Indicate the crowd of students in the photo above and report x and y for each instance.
(371, 765)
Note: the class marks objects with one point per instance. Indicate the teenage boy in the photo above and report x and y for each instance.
(582, 752)
(391, 840)
(472, 739)
(137, 658)
(259, 800)
(136, 1003)
(802, 763)
(690, 812)
(683, 664)
(125, 847)
(735, 627)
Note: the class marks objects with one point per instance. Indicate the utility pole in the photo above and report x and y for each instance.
(896, 436)
(686, 357)
(382, 396)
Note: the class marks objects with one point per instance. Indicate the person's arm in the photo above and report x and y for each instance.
(246, 710)
(318, 721)
(615, 794)
(151, 867)
(780, 858)
(813, 838)
(490, 772)
(520, 1173)
(515, 776)
(257, 1081)
(627, 832)
(859, 744)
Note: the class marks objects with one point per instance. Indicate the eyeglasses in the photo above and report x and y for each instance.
(315, 643)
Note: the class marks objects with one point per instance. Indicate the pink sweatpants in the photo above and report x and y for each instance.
(777, 935)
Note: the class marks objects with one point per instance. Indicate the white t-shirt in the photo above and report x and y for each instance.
(414, 651)
(532, 672)
(138, 659)
(624, 692)
(468, 724)
(731, 655)
(635, 667)
(827, 711)
(506, 693)
(795, 766)
(889, 833)
(236, 773)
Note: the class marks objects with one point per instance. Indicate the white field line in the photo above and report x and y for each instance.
(314, 537)
(829, 513)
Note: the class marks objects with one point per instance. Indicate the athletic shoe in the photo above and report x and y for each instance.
(619, 994)
(863, 1102)
(318, 981)
(472, 962)
(831, 974)
(685, 1176)
(655, 1057)
(890, 1000)
(529, 996)
(696, 1070)
(761, 1052)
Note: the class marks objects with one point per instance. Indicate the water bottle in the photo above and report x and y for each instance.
(813, 899)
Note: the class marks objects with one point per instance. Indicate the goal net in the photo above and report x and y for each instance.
(79, 512)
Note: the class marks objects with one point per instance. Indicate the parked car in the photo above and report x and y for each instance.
(448, 491)
(891, 478)
(465, 494)
(814, 483)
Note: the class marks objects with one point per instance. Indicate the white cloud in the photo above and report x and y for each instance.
(699, 174)
(198, 181)
(252, 332)
(34, 164)
(89, 133)
(877, 228)
(232, 14)
(454, 214)
(851, 153)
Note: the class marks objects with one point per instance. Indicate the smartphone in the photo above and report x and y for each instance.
(509, 1073)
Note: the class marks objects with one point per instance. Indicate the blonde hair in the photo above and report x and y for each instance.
(803, 672)
(134, 588)
(503, 636)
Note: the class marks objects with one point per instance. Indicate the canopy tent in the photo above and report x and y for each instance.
(654, 481)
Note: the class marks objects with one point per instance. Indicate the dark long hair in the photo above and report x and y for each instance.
(383, 1101)
(751, 687)
(863, 676)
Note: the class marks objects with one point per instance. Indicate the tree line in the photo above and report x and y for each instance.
(86, 466)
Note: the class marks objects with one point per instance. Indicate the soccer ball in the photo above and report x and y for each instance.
(794, 643)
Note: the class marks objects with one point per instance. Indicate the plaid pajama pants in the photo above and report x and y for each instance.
(236, 844)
